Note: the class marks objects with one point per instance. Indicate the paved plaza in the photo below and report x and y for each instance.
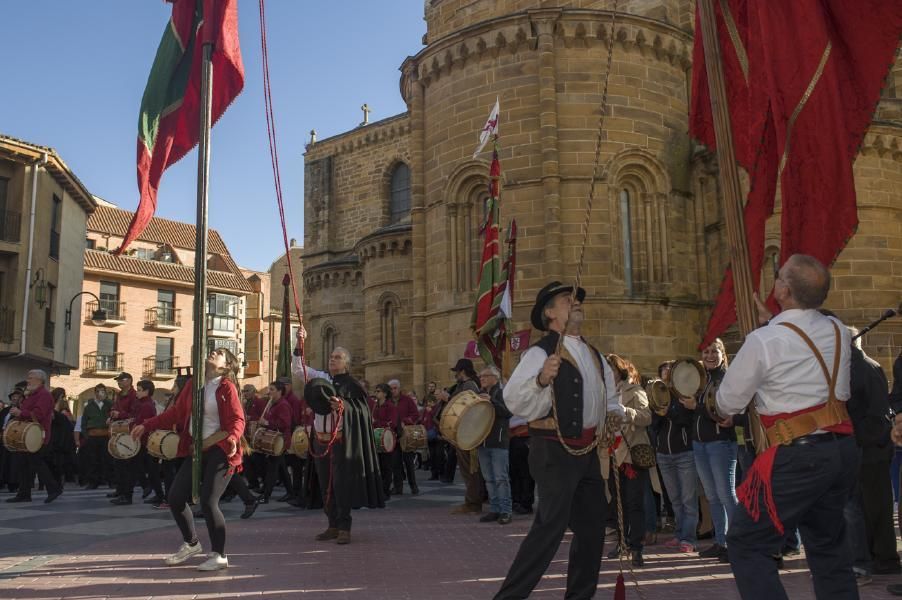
(81, 547)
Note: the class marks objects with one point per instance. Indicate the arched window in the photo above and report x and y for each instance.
(627, 237)
(330, 340)
(388, 317)
(399, 203)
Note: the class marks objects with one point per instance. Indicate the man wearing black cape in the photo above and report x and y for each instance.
(342, 444)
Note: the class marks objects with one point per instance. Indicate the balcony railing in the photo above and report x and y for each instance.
(162, 317)
(230, 345)
(10, 224)
(7, 324)
(102, 362)
(164, 366)
(115, 310)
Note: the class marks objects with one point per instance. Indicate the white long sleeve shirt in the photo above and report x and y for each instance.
(525, 398)
(776, 366)
(210, 423)
(321, 423)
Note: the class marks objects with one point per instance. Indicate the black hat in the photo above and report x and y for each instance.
(545, 295)
(18, 389)
(317, 394)
(123, 375)
(464, 364)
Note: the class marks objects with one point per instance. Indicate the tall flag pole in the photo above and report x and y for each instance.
(487, 320)
(507, 297)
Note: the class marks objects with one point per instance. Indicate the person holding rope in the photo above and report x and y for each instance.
(798, 367)
(343, 447)
(222, 428)
(566, 390)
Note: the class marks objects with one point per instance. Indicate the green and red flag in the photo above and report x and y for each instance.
(169, 120)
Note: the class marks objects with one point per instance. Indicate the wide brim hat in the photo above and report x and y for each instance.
(545, 295)
(463, 364)
(317, 394)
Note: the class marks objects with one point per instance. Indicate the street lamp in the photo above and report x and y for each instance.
(98, 317)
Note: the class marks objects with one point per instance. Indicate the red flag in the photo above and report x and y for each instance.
(519, 341)
(168, 126)
(803, 79)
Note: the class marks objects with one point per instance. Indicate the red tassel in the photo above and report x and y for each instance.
(759, 479)
(620, 588)
(628, 471)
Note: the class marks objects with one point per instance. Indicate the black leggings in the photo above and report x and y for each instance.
(215, 478)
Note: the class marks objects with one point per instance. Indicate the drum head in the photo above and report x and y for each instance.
(687, 377)
(123, 446)
(658, 393)
(33, 438)
(475, 425)
(169, 446)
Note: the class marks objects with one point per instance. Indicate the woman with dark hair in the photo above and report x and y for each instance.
(222, 428)
(384, 416)
(276, 417)
(62, 461)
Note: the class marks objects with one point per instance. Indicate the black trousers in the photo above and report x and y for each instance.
(336, 491)
(215, 478)
(385, 466)
(144, 465)
(877, 504)
(632, 495)
(273, 465)
(571, 493)
(523, 487)
(811, 485)
(449, 461)
(402, 463)
(294, 484)
(238, 487)
(95, 460)
(30, 464)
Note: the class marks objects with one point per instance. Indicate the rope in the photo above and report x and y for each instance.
(277, 179)
(328, 450)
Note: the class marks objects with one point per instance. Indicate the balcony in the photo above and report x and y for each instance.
(221, 325)
(115, 311)
(7, 324)
(10, 226)
(163, 318)
(160, 368)
(107, 364)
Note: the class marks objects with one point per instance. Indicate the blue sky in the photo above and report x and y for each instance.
(73, 80)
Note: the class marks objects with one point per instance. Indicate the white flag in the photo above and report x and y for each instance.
(490, 128)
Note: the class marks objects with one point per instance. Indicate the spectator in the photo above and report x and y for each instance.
(493, 454)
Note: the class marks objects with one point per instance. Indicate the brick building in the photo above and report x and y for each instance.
(393, 208)
(148, 296)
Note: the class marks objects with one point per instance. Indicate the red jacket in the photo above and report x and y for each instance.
(428, 421)
(38, 406)
(385, 415)
(256, 408)
(231, 419)
(407, 413)
(143, 409)
(125, 405)
(297, 407)
(278, 418)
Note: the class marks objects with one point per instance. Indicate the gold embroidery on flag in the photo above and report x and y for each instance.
(741, 54)
(802, 102)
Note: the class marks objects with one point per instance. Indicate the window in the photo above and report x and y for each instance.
(55, 218)
(165, 307)
(388, 316)
(109, 299)
(9, 220)
(330, 340)
(230, 345)
(164, 352)
(4, 186)
(627, 236)
(107, 347)
(145, 253)
(49, 325)
(90, 244)
(399, 206)
(222, 312)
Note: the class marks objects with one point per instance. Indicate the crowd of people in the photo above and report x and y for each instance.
(675, 463)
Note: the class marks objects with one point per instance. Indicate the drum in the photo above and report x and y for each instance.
(23, 436)
(658, 396)
(121, 426)
(385, 440)
(300, 442)
(687, 377)
(268, 441)
(413, 437)
(467, 420)
(710, 401)
(163, 443)
(250, 429)
(122, 446)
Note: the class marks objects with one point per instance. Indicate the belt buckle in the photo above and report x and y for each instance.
(783, 432)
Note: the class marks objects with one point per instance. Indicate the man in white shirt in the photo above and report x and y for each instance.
(797, 368)
(579, 383)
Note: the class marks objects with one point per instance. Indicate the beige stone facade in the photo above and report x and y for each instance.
(398, 289)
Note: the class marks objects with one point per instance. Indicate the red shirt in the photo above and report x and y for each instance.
(297, 409)
(256, 408)
(231, 419)
(38, 406)
(143, 409)
(428, 421)
(407, 413)
(385, 415)
(125, 404)
(278, 418)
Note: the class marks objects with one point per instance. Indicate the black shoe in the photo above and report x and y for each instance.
(53, 496)
(433, 478)
(615, 553)
(113, 495)
(249, 510)
(121, 501)
(415, 491)
(895, 589)
(504, 519)
(227, 498)
(522, 510)
(263, 500)
(284, 498)
(637, 559)
(724, 557)
(154, 500)
(712, 551)
(886, 568)
(297, 503)
(490, 517)
(397, 491)
(92, 486)
(19, 499)
(790, 551)
(147, 492)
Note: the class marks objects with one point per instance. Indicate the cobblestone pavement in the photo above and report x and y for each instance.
(81, 547)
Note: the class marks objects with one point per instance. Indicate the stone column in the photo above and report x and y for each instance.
(543, 22)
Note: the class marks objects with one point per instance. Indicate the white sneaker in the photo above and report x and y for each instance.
(214, 563)
(185, 552)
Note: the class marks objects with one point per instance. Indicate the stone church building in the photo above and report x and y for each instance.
(392, 209)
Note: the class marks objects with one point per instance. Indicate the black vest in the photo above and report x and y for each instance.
(568, 389)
